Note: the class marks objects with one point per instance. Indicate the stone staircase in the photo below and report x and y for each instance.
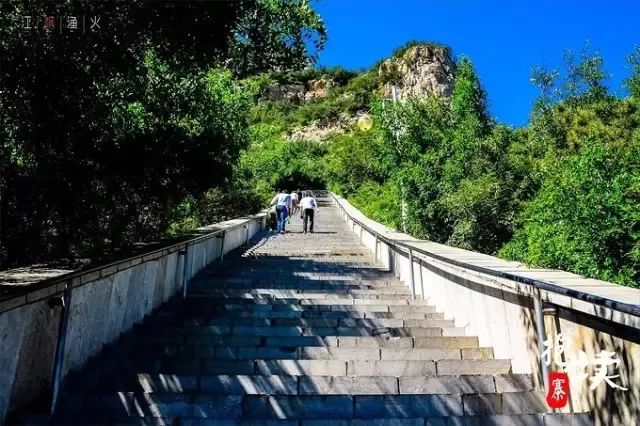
(303, 330)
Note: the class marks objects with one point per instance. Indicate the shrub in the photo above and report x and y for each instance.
(585, 218)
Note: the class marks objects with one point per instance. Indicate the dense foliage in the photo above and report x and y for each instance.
(106, 136)
(144, 129)
(562, 192)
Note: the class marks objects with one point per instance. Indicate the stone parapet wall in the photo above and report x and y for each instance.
(501, 313)
(105, 302)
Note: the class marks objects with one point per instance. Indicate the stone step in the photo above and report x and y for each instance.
(301, 407)
(268, 318)
(202, 308)
(352, 262)
(300, 277)
(546, 419)
(540, 419)
(306, 301)
(303, 285)
(452, 342)
(266, 307)
(237, 273)
(404, 293)
(231, 321)
(294, 265)
(143, 331)
(304, 367)
(299, 385)
(204, 352)
(293, 294)
(357, 314)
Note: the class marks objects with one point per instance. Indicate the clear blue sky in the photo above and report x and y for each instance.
(504, 39)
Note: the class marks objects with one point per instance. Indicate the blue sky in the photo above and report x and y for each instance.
(503, 38)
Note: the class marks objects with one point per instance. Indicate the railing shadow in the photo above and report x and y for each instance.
(218, 356)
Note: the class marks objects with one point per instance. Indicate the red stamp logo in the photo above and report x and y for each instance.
(558, 395)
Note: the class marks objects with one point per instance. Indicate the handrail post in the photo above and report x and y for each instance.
(222, 246)
(185, 256)
(375, 256)
(411, 276)
(65, 303)
(421, 280)
(391, 259)
(540, 331)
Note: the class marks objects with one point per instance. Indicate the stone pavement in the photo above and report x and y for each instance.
(300, 329)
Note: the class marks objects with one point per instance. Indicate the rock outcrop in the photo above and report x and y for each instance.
(298, 93)
(317, 89)
(421, 71)
(285, 92)
(321, 131)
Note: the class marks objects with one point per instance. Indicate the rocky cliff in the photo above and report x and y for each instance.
(285, 92)
(299, 93)
(418, 72)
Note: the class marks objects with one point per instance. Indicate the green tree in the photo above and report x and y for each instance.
(469, 99)
(104, 135)
(585, 217)
(633, 82)
(276, 35)
(585, 77)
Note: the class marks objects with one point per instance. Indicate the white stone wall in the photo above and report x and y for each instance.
(500, 313)
(104, 304)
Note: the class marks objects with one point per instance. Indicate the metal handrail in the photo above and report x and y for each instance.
(626, 308)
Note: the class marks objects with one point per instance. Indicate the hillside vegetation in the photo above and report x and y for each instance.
(117, 140)
(562, 192)
(131, 133)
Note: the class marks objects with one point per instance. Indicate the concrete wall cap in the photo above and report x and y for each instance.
(560, 278)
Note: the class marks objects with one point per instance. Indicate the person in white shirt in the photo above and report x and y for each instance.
(282, 200)
(294, 203)
(309, 207)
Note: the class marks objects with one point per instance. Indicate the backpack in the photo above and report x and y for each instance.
(272, 220)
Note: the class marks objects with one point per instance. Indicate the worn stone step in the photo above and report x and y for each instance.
(211, 307)
(298, 407)
(299, 283)
(296, 385)
(304, 285)
(297, 367)
(293, 294)
(357, 314)
(145, 332)
(403, 406)
(405, 302)
(88, 419)
(205, 352)
(372, 406)
(346, 275)
(226, 324)
(469, 342)
(282, 266)
(195, 317)
(547, 419)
